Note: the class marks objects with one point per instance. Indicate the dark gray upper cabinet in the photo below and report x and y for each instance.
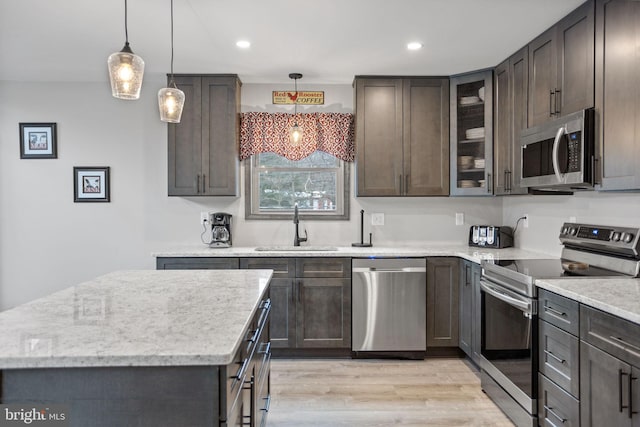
(402, 136)
(617, 100)
(510, 117)
(561, 67)
(203, 147)
(471, 131)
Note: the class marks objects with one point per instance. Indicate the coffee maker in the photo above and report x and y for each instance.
(220, 230)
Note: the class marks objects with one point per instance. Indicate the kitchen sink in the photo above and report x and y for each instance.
(295, 248)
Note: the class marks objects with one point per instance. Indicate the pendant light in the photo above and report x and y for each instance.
(171, 99)
(295, 133)
(126, 69)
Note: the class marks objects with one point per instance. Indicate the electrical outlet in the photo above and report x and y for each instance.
(525, 221)
(459, 218)
(377, 219)
(204, 217)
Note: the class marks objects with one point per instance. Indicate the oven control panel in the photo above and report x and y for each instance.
(624, 240)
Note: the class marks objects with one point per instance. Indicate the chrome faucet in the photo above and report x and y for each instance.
(297, 239)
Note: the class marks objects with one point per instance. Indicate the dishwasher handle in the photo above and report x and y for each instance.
(389, 270)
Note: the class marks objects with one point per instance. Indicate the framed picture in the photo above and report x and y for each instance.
(91, 184)
(38, 141)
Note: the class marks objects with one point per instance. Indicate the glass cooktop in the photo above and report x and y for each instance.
(554, 268)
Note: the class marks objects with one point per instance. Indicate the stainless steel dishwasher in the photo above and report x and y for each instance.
(389, 303)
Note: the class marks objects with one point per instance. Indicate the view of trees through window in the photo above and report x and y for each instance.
(313, 183)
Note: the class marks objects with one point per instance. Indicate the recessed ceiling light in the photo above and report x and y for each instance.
(243, 44)
(414, 46)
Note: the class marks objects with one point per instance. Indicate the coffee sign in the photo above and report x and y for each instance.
(300, 97)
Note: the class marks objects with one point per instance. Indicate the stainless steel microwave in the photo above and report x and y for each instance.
(560, 154)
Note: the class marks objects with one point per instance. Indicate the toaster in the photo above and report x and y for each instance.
(491, 236)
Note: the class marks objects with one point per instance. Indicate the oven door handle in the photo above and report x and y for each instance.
(556, 148)
(523, 305)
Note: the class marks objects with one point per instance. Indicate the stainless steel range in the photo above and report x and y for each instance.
(509, 308)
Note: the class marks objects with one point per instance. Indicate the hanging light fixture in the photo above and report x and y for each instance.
(126, 69)
(295, 133)
(171, 99)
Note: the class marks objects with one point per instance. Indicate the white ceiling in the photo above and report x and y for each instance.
(329, 41)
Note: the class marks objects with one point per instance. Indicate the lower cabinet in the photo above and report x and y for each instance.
(558, 360)
(609, 370)
(469, 314)
(311, 300)
(442, 301)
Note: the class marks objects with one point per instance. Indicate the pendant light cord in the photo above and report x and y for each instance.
(295, 104)
(126, 31)
(173, 82)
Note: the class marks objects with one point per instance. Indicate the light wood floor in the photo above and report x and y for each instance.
(373, 393)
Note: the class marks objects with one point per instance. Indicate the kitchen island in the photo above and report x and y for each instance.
(144, 348)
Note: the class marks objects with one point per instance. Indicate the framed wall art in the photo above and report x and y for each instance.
(91, 184)
(38, 141)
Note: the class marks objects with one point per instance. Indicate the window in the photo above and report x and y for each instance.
(318, 184)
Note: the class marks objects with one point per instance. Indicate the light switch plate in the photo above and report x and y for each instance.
(377, 219)
(459, 218)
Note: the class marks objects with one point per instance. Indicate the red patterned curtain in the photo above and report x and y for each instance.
(332, 133)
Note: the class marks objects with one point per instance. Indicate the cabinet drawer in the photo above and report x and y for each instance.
(559, 356)
(559, 311)
(323, 267)
(197, 263)
(612, 334)
(555, 406)
(282, 267)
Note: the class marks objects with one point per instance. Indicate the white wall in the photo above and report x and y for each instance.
(548, 213)
(48, 242)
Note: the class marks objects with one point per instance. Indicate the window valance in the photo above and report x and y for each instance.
(333, 133)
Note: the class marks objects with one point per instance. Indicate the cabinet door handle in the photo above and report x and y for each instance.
(489, 183)
(620, 375)
(550, 410)
(553, 356)
(298, 289)
(631, 380)
(204, 188)
(198, 183)
(556, 94)
(551, 107)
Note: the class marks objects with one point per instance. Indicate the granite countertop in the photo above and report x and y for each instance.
(617, 296)
(135, 318)
(475, 254)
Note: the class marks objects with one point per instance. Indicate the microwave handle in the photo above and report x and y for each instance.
(556, 148)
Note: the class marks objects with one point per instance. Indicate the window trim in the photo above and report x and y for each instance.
(304, 215)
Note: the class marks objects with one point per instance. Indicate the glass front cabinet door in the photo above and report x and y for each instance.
(471, 134)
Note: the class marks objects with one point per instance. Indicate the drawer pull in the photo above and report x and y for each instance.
(267, 348)
(554, 311)
(624, 343)
(267, 403)
(551, 411)
(553, 356)
(242, 370)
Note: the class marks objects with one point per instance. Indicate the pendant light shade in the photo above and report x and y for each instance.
(126, 69)
(170, 102)
(171, 99)
(295, 132)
